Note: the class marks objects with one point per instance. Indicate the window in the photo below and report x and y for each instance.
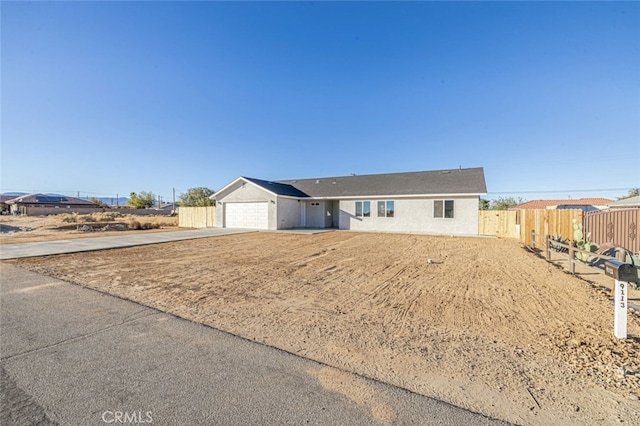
(391, 208)
(443, 208)
(363, 208)
(386, 208)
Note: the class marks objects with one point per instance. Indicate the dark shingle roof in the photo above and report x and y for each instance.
(277, 187)
(48, 199)
(438, 182)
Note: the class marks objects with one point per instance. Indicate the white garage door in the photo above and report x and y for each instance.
(247, 215)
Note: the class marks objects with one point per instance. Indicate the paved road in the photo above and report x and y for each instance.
(45, 248)
(71, 355)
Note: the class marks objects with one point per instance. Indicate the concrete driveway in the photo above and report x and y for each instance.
(71, 355)
(46, 248)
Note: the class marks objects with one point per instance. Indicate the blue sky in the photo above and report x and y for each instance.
(108, 98)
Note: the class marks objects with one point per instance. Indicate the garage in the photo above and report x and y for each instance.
(247, 215)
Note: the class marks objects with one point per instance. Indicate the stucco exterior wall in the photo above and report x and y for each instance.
(414, 215)
(335, 214)
(316, 212)
(410, 214)
(289, 214)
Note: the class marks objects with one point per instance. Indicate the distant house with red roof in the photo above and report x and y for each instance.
(584, 204)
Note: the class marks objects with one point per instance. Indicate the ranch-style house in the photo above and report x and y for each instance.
(435, 202)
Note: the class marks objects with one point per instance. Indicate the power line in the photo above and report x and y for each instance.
(559, 191)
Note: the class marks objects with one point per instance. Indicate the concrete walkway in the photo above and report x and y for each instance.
(46, 248)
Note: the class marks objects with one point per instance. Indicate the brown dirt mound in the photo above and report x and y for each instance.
(486, 325)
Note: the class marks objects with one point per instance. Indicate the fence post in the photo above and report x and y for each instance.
(533, 239)
(548, 246)
(572, 265)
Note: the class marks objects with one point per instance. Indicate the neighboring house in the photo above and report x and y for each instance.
(585, 204)
(4, 207)
(437, 202)
(39, 202)
(168, 207)
(626, 203)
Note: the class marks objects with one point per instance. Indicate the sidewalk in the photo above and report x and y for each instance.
(47, 248)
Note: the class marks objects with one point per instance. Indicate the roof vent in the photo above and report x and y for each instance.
(334, 182)
(317, 180)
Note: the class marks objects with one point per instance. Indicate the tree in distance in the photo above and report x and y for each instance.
(98, 203)
(484, 204)
(504, 203)
(197, 197)
(142, 200)
(634, 192)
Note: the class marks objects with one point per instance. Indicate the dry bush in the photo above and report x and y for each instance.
(156, 221)
(133, 224)
(107, 216)
(137, 225)
(166, 221)
(76, 217)
(68, 218)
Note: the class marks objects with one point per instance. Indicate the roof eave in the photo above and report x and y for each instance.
(245, 180)
(389, 196)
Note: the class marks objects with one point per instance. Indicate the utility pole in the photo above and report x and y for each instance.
(174, 200)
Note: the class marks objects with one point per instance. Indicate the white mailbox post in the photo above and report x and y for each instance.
(622, 273)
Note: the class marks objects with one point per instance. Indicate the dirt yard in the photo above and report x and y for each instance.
(24, 229)
(480, 323)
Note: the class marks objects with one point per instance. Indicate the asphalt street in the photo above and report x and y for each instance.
(71, 355)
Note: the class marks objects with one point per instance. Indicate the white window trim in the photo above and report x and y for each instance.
(386, 211)
(355, 212)
(444, 208)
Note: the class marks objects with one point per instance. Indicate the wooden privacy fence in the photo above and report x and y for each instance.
(501, 223)
(548, 222)
(520, 223)
(615, 226)
(197, 217)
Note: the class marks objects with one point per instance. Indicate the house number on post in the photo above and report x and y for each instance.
(620, 313)
(622, 273)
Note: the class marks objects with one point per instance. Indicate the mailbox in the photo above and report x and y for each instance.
(620, 271)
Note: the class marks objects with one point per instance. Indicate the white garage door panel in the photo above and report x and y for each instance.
(247, 215)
